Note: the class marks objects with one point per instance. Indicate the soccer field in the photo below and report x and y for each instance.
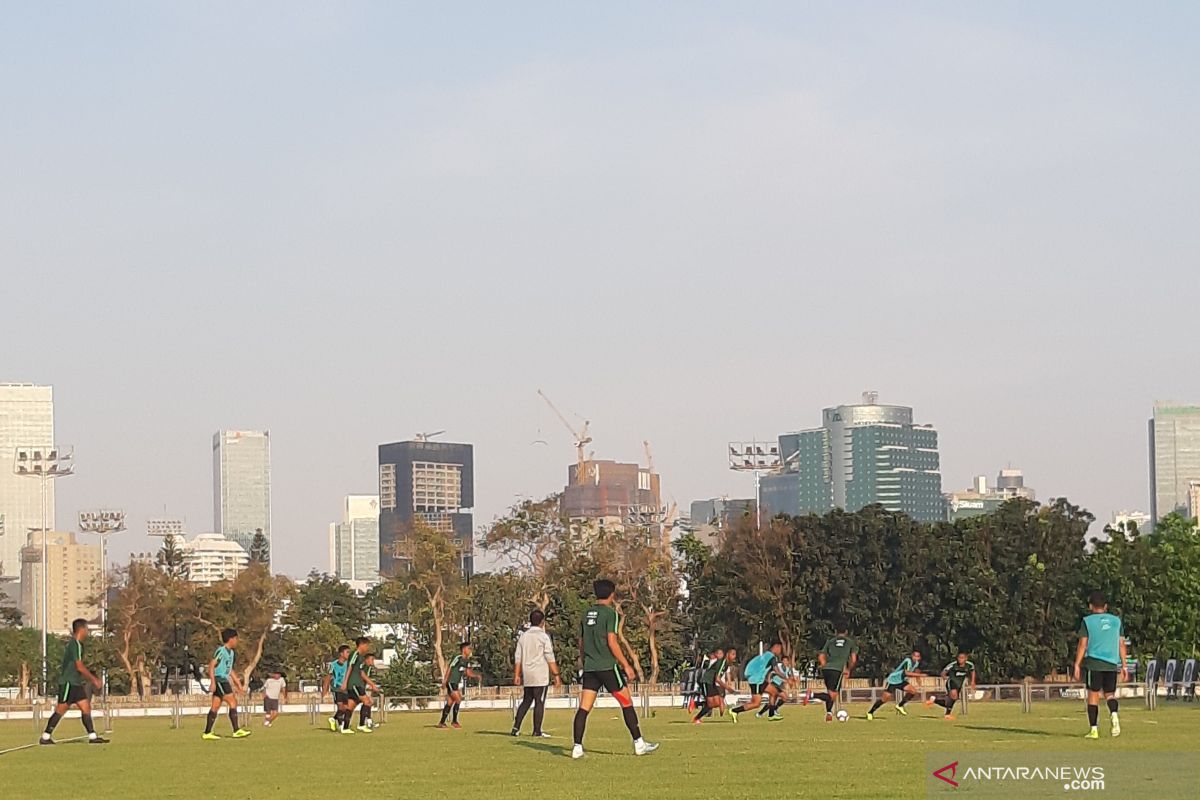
(407, 757)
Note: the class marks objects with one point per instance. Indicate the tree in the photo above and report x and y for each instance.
(324, 598)
(430, 576)
(10, 615)
(249, 603)
(260, 548)
(170, 558)
(136, 616)
(532, 537)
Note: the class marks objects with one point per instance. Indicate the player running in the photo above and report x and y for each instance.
(72, 690)
(605, 667)
(354, 684)
(758, 670)
(224, 684)
(1101, 653)
(274, 693)
(455, 683)
(837, 660)
(898, 686)
(956, 673)
(784, 678)
(335, 677)
(714, 682)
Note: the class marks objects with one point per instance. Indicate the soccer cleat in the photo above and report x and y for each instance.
(643, 748)
(333, 724)
(697, 721)
(804, 698)
(1094, 733)
(455, 725)
(364, 729)
(829, 716)
(98, 740)
(516, 732)
(870, 715)
(901, 711)
(577, 751)
(241, 733)
(929, 701)
(441, 726)
(1116, 726)
(347, 730)
(949, 718)
(46, 741)
(776, 717)
(210, 737)
(542, 736)
(734, 715)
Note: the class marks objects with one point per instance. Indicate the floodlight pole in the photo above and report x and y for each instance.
(751, 457)
(46, 464)
(102, 523)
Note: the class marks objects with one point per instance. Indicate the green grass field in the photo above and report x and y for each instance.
(407, 757)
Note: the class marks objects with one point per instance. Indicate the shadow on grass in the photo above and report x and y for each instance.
(1004, 729)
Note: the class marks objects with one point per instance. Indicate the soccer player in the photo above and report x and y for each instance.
(369, 700)
(1102, 654)
(758, 670)
(785, 677)
(72, 691)
(224, 684)
(605, 667)
(837, 659)
(455, 683)
(956, 673)
(534, 665)
(335, 677)
(274, 691)
(715, 685)
(354, 684)
(898, 686)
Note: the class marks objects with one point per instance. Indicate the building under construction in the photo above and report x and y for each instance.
(612, 494)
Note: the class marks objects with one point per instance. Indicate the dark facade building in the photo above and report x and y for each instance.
(430, 482)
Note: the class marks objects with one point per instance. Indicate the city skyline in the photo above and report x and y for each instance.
(355, 225)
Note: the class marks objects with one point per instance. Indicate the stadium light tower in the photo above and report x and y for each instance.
(103, 523)
(45, 464)
(757, 457)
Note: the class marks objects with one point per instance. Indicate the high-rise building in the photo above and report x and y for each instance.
(1174, 457)
(211, 557)
(74, 580)
(242, 485)
(1132, 520)
(981, 499)
(612, 494)
(428, 482)
(354, 542)
(863, 454)
(26, 419)
(709, 519)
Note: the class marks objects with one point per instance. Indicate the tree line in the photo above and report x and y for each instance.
(1009, 587)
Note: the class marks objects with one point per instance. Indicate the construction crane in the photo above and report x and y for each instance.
(649, 455)
(582, 440)
(425, 437)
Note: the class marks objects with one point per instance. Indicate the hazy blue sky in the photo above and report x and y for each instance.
(688, 222)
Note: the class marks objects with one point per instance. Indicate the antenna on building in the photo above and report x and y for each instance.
(425, 437)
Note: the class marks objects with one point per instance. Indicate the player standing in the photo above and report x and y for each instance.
(956, 673)
(224, 684)
(335, 677)
(837, 660)
(1101, 653)
(455, 683)
(534, 665)
(758, 669)
(72, 691)
(354, 684)
(601, 654)
(715, 685)
(898, 685)
(274, 692)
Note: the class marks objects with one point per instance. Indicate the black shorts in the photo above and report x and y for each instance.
(954, 687)
(832, 678)
(713, 690)
(757, 688)
(339, 697)
(609, 679)
(221, 687)
(356, 693)
(270, 705)
(460, 689)
(72, 693)
(1102, 681)
(895, 688)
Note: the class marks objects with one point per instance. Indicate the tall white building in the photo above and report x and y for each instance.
(1174, 457)
(354, 542)
(210, 557)
(242, 485)
(26, 419)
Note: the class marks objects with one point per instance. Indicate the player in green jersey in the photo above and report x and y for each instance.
(837, 660)
(334, 678)
(72, 689)
(455, 683)
(956, 673)
(225, 686)
(1101, 657)
(715, 682)
(604, 666)
(355, 683)
(898, 685)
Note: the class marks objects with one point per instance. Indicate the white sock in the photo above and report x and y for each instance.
(92, 735)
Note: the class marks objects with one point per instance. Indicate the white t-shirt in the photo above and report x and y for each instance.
(535, 654)
(273, 687)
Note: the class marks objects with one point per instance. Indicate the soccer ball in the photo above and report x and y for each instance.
(843, 715)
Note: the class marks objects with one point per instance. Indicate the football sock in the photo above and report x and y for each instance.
(445, 713)
(875, 707)
(580, 725)
(455, 712)
(1093, 714)
(208, 724)
(631, 722)
(87, 724)
(52, 723)
(903, 700)
(1112, 705)
(363, 715)
(233, 718)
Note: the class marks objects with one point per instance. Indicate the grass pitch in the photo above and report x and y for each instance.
(407, 757)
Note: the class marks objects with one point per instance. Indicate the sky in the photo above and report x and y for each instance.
(686, 222)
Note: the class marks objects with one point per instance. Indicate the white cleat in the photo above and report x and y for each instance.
(643, 748)
(1116, 726)
(577, 751)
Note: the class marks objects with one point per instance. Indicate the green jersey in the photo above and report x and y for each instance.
(458, 670)
(69, 673)
(837, 651)
(354, 671)
(957, 674)
(598, 622)
(715, 669)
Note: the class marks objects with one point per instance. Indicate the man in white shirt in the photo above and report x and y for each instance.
(274, 690)
(535, 664)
